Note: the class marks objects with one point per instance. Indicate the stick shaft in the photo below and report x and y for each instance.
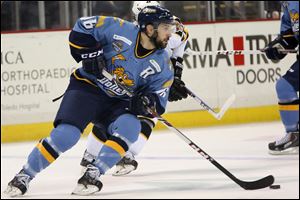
(246, 185)
(235, 52)
(216, 115)
(202, 103)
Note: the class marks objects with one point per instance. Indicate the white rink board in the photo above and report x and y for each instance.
(216, 83)
(35, 68)
(38, 64)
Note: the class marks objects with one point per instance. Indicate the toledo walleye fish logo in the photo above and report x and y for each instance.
(119, 72)
(294, 16)
(122, 77)
(111, 87)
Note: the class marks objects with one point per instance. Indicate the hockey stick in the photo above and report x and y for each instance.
(223, 109)
(247, 185)
(189, 51)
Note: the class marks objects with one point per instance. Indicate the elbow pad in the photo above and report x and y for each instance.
(82, 45)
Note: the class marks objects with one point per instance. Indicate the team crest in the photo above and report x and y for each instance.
(122, 77)
(294, 16)
(295, 21)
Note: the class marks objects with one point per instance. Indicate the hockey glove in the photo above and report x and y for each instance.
(280, 43)
(85, 48)
(94, 65)
(139, 104)
(178, 66)
(177, 90)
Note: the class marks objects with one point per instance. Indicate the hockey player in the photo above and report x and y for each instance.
(98, 136)
(137, 59)
(287, 86)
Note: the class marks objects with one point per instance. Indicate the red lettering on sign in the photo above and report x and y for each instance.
(238, 44)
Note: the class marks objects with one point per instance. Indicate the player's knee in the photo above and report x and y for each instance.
(285, 91)
(100, 133)
(146, 127)
(127, 126)
(64, 137)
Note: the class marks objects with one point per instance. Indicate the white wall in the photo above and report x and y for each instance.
(215, 83)
(35, 68)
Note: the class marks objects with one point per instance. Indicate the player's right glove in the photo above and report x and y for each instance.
(282, 42)
(139, 104)
(177, 90)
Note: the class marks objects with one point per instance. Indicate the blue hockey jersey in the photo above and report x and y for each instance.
(290, 18)
(151, 73)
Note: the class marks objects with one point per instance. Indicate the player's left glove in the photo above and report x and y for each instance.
(177, 90)
(139, 104)
(282, 42)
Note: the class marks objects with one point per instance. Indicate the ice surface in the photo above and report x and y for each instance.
(169, 168)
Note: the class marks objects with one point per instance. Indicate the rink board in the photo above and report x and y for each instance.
(27, 132)
(35, 68)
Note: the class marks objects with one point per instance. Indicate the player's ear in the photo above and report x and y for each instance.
(149, 30)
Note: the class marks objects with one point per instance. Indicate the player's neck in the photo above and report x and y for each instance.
(146, 42)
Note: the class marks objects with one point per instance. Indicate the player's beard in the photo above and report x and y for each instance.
(159, 44)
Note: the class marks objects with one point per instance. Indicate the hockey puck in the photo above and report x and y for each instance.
(275, 187)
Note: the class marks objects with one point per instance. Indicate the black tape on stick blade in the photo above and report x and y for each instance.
(275, 187)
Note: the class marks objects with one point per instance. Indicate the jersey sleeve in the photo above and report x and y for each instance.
(285, 22)
(100, 27)
(290, 18)
(92, 33)
(179, 51)
(178, 42)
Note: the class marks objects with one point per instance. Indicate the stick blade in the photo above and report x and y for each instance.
(226, 106)
(259, 184)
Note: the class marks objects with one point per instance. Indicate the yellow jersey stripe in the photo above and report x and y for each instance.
(75, 46)
(45, 153)
(118, 148)
(288, 107)
(286, 36)
(100, 21)
(83, 79)
(168, 84)
(121, 21)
